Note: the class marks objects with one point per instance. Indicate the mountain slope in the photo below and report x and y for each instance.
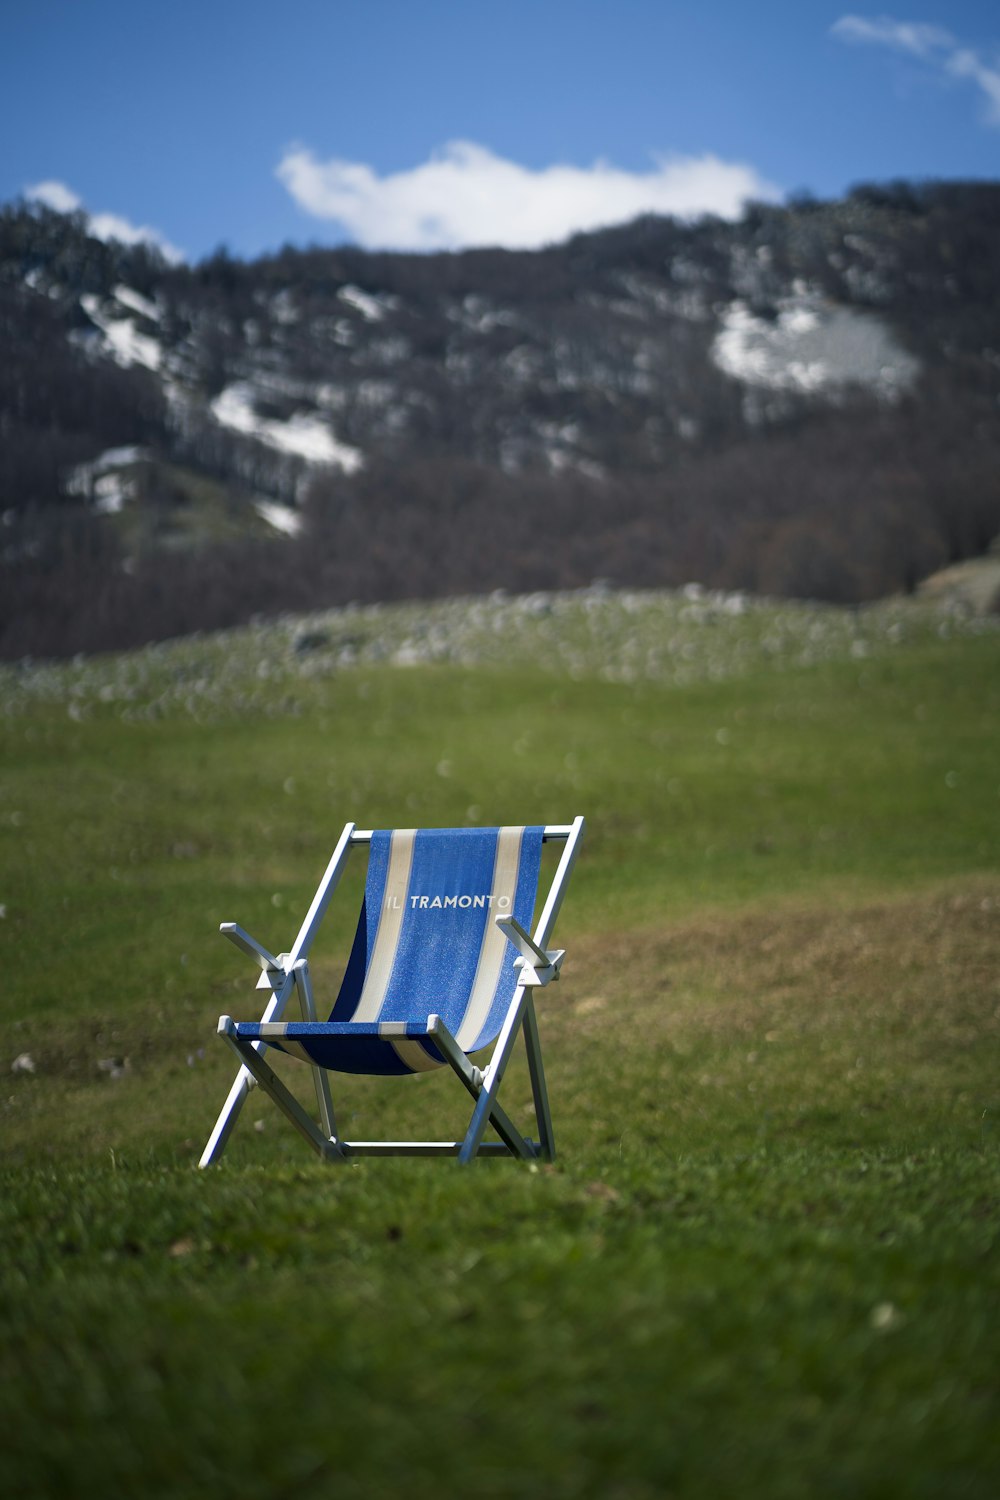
(804, 402)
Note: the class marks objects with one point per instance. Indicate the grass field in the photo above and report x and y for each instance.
(765, 1261)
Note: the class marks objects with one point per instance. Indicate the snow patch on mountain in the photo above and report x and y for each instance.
(122, 340)
(812, 346)
(138, 303)
(109, 481)
(284, 518)
(304, 434)
(372, 308)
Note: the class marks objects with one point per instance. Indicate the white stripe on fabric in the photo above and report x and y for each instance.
(506, 867)
(276, 1032)
(390, 921)
(413, 1054)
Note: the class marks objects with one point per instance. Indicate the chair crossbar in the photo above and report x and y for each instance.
(432, 1148)
(551, 831)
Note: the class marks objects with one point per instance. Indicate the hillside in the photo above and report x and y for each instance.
(802, 403)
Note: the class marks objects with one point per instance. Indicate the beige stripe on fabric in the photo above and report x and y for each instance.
(296, 1049)
(390, 921)
(413, 1054)
(278, 1031)
(492, 952)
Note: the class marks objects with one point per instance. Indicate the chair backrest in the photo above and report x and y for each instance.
(426, 938)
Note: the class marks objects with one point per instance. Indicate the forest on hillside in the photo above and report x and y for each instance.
(522, 420)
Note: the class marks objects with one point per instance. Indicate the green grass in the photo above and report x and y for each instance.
(177, 507)
(765, 1260)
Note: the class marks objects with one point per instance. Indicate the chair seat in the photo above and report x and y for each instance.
(384, 1048)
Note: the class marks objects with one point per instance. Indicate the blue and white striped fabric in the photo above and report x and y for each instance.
(426, 943)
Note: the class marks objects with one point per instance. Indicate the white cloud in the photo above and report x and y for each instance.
(902, 36)
(465, 195)
(965, 64)
(54, 195)
(930, 44)
(58, 196)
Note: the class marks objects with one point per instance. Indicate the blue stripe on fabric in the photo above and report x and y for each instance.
(438, 948)
(364, 938)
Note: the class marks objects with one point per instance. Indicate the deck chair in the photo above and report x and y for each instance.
(443, 966)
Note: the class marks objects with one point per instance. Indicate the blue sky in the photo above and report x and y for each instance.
(425, 123)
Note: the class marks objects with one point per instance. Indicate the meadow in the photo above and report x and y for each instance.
(765, 1260)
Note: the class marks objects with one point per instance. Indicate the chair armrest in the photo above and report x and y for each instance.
(250, 946)
(536, 965)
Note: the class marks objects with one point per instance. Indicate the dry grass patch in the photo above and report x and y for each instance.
(930, 959)
(775, 1017)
